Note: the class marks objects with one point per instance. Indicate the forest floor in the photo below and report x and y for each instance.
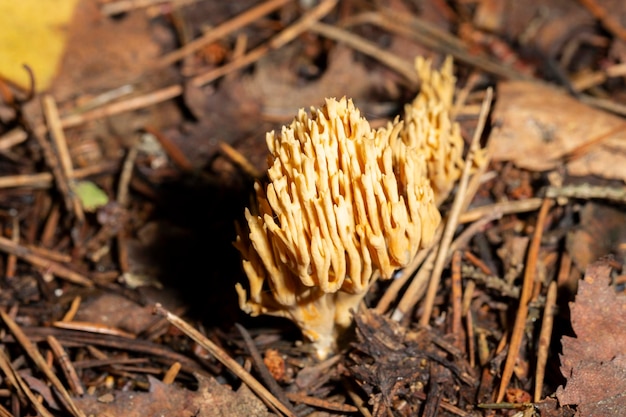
(122, 182)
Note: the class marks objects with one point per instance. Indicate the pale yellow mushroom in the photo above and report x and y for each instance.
(344, 204)
(429, 128)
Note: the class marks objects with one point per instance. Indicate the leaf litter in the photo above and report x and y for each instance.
(162, 243)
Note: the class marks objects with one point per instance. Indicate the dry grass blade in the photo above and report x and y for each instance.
(33, 353)
(226, 360)
(527, 290)
(455, 211)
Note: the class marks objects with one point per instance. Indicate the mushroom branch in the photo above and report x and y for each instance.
(344, 205)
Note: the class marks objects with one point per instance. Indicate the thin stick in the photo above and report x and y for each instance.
(15, 237)
(223, 357)
(284, 37)
(471, 344)
(96, 328)
(239, 160)
(505, 207)
(133, 103)
(477, 262)
(319, 403)
(527, 290)
(457, 295)
(33, 353)
(544, 339)
(4, 412)
(22, 252)
(588, 192)
(607, 17)
(223, 30)
(455, 211)
(66, 365)
(172, 150)
(126, 175)
(122, 6)
(71, 312)
(122, 199)
(172, 373)
(53, 163)
(12, 138)
(49, 253)
(60, 144)
(44, 180)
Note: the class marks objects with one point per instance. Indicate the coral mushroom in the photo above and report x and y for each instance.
(347, 204)
(428, 127)
(344, 204)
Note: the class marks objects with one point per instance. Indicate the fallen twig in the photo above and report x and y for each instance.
(544, 339)
(455, 211)
(527, 290)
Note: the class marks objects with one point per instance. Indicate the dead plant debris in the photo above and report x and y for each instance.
(123, 186)
(593, 361)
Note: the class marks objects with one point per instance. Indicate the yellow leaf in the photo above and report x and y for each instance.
(34, 33)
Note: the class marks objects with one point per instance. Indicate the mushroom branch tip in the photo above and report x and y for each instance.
(345, 204)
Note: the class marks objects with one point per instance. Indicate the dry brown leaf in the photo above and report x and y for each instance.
(594, 362)
(537, 126)
(116, 311)
(210, 400)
